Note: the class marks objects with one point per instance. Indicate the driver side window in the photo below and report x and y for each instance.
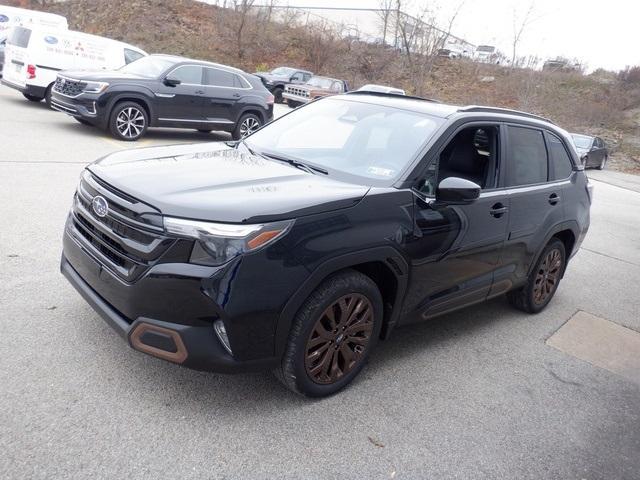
(472, 154)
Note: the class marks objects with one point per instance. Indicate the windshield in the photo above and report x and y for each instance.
(283, 71)
(320, 82)
(150, 67)
(485, 48)
(19, 37)
(582, 141)
(372, 144)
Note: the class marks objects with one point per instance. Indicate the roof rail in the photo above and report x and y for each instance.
(507, 111)
(393, 95)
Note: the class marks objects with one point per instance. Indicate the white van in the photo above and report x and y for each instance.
(11, 17)
(34, 56)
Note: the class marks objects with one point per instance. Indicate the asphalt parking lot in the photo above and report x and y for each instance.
(475, 394)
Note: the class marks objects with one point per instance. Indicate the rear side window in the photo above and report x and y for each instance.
(190, 74)
(560, 164)
(527, 157)
(19, 37)
(219, 78)
(131, 56)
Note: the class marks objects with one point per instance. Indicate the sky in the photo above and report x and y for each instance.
(599, 33)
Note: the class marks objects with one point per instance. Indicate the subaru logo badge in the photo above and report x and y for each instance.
(100, 206)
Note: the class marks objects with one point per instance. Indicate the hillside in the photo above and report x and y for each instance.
(602, 103)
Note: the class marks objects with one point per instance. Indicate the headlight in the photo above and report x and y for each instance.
(220, 242)
(95, 87)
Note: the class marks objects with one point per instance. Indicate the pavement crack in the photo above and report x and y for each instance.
(560, 379)
(611, 257)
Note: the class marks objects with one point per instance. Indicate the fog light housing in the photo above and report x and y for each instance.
(221, 332)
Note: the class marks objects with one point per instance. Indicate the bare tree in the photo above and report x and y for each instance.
(519, 28)
(242, 8)
(386, 9)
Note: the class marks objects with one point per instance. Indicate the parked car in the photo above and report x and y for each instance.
(277, 79)
(301, 246)
(592, 150)
(35, 56)
(165, 91)
(381, 89)
(316, 87)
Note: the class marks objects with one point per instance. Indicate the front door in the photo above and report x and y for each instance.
(456, 249)
(181, 104)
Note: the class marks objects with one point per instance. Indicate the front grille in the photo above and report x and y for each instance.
(70, 88)
(123, 241)
(301, 92)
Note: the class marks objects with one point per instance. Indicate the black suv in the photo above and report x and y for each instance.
(277, 79)
(165, 91)
(301, 246)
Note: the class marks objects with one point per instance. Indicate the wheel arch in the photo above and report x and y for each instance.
(136, 98)
(384, 265)
(567, 233)
(254, 110)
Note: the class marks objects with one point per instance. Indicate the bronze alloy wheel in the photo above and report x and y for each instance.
(548, 276)
(339, 339)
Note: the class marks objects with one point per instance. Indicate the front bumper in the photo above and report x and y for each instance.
(295, 98)
(85, 107)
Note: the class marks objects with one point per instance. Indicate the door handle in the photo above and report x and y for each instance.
(554, 198)
(199, 92)
(498, 210)
(236, 95)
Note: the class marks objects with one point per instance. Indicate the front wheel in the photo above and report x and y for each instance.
(248, 124)
(277, 94)
(128, 121)
(543, 281)
(332, 335)
(32, 98)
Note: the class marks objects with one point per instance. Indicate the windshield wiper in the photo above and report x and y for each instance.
(296, 163)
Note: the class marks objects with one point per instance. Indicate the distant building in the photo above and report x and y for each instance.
(373, 25)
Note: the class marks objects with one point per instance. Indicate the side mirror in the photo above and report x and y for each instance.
(171, 82)
(457, 191)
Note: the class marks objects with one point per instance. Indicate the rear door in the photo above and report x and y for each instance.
(181, 104)
(222, 92)
(536, 201)
(16, 57)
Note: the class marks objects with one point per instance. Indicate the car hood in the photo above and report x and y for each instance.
(215, 182)
(102, 75)
(272, 78)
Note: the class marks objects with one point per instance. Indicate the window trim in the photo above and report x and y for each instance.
(508, 146)
(242, 79)
(188, 65)
(568, 152)
(430, 158)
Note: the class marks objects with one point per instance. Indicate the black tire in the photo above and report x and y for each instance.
(32, 98)
(247, 124)
(204, 130)
(277, 94)
(603, 163)
(346, 286)
(83, 121)
(128, 114)
(293, 104)
(526, 298)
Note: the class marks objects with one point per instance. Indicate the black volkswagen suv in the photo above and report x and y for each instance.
(165, 91)
(299, 247)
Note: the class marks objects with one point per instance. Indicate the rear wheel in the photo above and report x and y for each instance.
(543, 281)
(293, 104)
(128, 121)
(248, 124)
(603, 163)
(32, 98)
(332, 335)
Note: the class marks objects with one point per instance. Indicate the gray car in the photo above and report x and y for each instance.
(592, 150)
